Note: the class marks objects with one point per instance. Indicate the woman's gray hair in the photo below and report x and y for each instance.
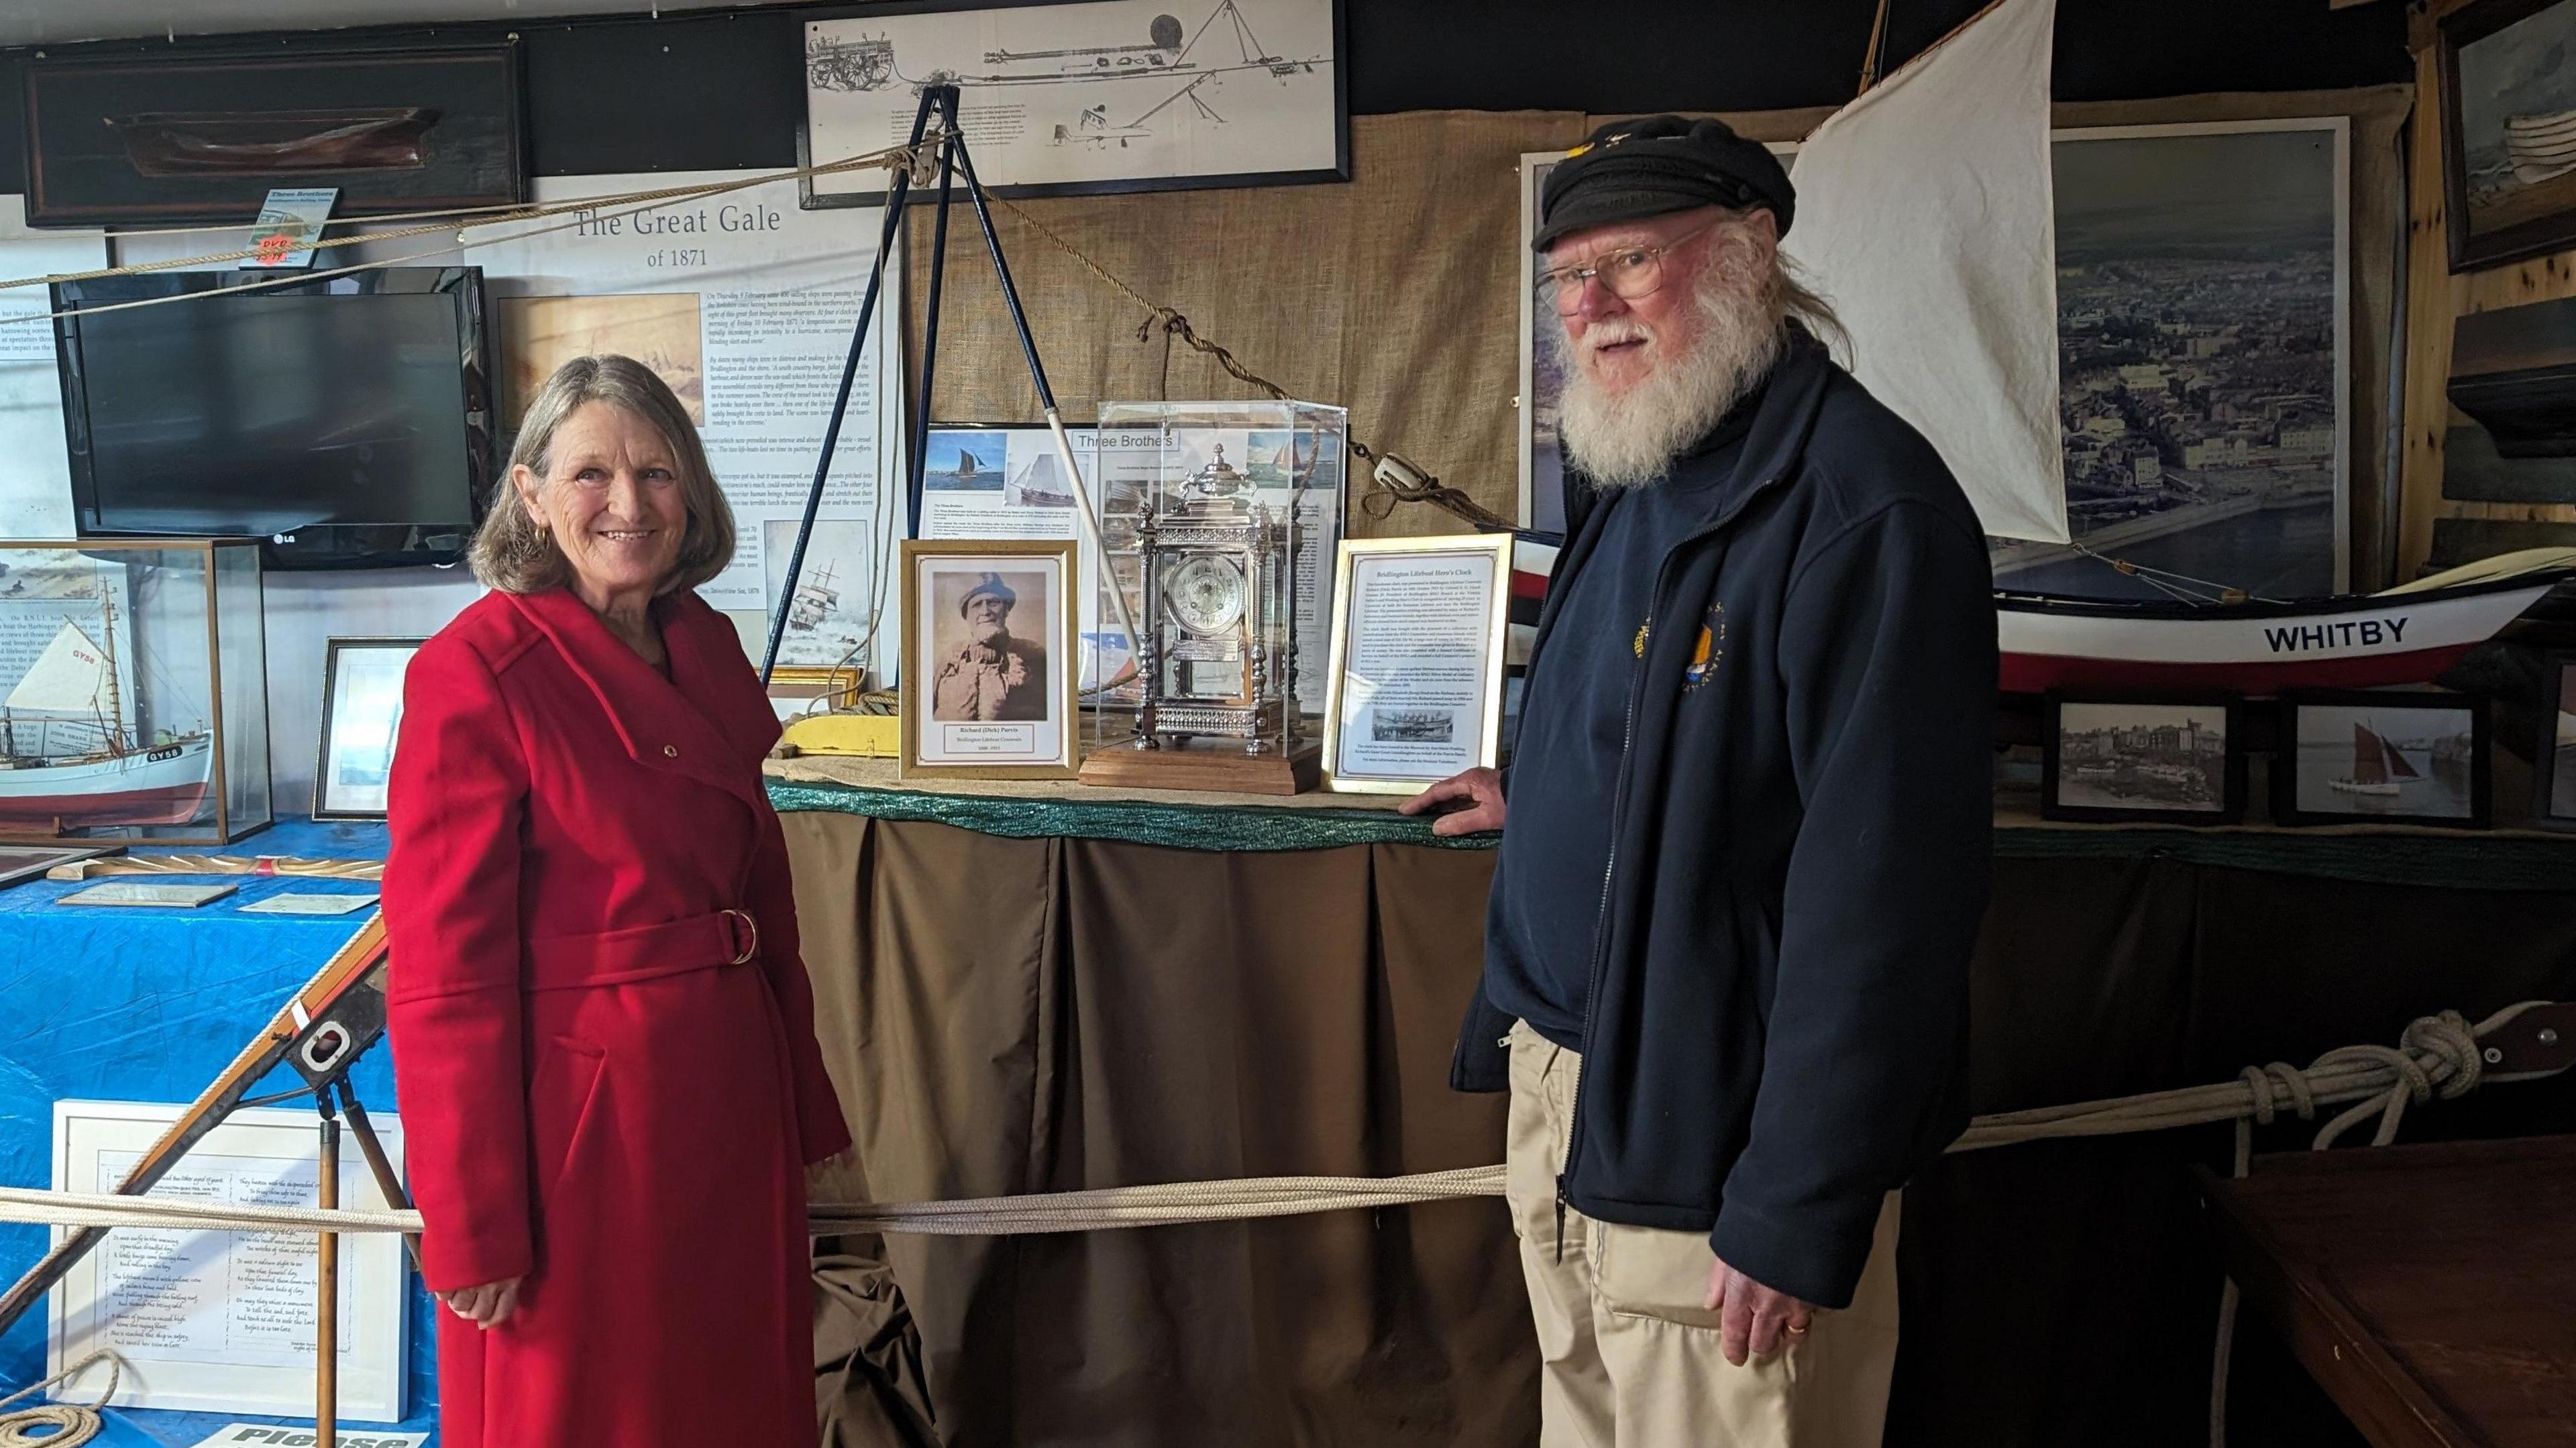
(511, 553)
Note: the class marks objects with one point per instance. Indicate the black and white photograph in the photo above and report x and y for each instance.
(2404, 758)
(2509, 128)
(1392, 725)
(2176, 760)
(988, 640)
(2201, 280)
(362, 702)
(1113, 95)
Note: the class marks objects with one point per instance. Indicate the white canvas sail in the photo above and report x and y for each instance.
(69, 677)
(1926, 216)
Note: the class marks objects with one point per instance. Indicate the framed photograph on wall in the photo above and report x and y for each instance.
(1093, 96)
(1415, 692)
(2381, 757)
(2508, 100)
(988, 659)
(2553, 761)
(2172, 759)
(362, 695)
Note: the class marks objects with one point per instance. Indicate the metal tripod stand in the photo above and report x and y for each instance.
(955, 165)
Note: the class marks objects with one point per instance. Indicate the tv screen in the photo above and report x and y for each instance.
(357, 407)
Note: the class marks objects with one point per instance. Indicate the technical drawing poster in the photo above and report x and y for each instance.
(1113, 95)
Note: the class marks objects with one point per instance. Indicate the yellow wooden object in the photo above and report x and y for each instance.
(868, 736)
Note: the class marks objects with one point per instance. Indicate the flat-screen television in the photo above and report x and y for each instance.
(347, 419)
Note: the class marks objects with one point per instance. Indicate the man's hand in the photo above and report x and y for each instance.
(487, 1306)
(1753, 1320)
(1481, 788)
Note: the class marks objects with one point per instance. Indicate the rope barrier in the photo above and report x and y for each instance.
(2437, 1058)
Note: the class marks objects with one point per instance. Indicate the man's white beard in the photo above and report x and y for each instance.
(1634, 438)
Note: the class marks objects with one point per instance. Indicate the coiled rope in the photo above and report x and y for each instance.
(64, 1425)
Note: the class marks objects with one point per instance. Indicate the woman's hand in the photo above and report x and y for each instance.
(487, 1306)
(1478, 803)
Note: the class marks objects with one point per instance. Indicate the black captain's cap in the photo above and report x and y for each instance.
(1629, 170)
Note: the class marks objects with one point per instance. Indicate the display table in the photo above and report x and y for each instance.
(133, 1004)
(1030, 988)
(2426, 1288)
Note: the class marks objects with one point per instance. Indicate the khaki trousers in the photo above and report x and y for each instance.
(1631, 1357)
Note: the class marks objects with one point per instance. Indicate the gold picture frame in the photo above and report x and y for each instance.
(1423, 734)
(1010, 713)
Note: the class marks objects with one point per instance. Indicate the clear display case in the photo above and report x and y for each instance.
(133, 691)
(1220, 520)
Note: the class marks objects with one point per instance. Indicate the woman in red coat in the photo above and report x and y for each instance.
(603, 1036)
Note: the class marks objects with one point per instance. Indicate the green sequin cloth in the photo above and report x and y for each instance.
(2457, 860)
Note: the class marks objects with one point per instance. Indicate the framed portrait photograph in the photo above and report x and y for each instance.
(2553, 762)
(2171, 759)
(362, 693)
(2508, 101)
(1415, 691)
(988, 659)
(1091, 96)
(2359, 756)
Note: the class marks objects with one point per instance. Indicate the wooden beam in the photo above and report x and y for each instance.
(2429, 313)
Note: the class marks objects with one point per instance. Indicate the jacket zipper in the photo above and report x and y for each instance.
(1610, 865)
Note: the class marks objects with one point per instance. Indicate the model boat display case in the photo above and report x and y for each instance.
(133, 691)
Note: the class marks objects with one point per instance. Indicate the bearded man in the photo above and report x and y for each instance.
(1749, 813)
(992, 675)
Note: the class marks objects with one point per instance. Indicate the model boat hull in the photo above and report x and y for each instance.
(161, 787)
(2359, 642)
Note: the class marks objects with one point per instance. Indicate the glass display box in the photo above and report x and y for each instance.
(1218, 525)
(133, 691)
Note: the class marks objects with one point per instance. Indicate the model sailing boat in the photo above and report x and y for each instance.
(1954, 323)
(106, 776)
(2377, 767)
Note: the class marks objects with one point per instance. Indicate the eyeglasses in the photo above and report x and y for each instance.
(1629, 272)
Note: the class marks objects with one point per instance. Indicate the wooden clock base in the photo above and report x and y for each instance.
(1214, 766)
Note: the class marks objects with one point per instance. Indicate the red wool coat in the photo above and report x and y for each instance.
(603, 1036)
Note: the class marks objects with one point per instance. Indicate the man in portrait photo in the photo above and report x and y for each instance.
(989, 673)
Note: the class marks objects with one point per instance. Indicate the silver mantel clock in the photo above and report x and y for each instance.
(1213, 547)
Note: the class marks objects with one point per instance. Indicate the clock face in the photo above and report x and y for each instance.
(1204, 594)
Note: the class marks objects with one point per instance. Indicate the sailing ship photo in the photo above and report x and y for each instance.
(2139, 760)
(110, 719)
(2395, 757)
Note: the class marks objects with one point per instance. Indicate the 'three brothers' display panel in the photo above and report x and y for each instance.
(1005, 481)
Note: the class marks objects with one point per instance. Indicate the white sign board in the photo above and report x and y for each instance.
(224, 1322)
(744, 303)
(274, 1435)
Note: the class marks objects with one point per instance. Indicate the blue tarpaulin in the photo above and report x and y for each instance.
(136, 1004)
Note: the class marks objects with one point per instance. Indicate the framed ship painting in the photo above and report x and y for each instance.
(2508, 102)
(203, 137)
(362, 697)
(2553, 759)
(2363, 757)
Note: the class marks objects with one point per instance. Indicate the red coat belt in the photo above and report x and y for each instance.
(641, 952)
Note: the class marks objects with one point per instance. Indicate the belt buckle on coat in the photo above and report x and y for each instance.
(748, 933)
